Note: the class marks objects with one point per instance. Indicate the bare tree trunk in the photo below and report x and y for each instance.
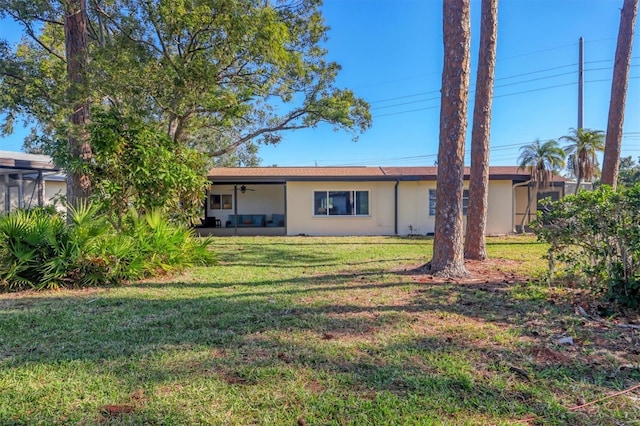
(78, 144)
(448, 257)
(475, 241)
(578, 181)
(527, 211)
(617, 103)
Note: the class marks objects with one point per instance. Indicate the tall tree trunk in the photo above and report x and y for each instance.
(613, 141)
(475, 241)
(448, 257)
(78, 144)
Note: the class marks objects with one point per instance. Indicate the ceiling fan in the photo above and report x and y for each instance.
(244, 189)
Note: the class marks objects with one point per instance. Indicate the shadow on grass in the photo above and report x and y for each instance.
(294, 241)
(365, 347)
(273, 255)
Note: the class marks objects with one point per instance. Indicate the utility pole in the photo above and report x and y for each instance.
(580, 83)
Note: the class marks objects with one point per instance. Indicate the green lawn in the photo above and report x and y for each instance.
(316, 331)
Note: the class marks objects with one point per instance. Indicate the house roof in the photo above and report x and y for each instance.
(22, 161)
(284, 174)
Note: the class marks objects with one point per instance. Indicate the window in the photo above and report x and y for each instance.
(432, 202)
(341, 203)
(220, 201)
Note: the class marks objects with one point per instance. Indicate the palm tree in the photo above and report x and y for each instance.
(582, 153)
(448, 256)
(475, 241)
(621, 65)
(542, 160)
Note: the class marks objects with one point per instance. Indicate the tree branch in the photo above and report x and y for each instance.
(31, 33)
(164, 50)
(280, 127)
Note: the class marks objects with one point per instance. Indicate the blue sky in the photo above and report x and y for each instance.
(391, 54)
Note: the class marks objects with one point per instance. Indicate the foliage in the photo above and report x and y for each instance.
(215, 74)
(595, 234)
(542, 160)
(629, 172)
(582, 150)
(164, 247)
(138, 166)
(40, 250)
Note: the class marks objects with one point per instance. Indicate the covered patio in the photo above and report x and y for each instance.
(245, 206)
(24, 178)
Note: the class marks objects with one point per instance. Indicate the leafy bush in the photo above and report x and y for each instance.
(136, 164)
(39, 249)
(165, 247)
(596, 236)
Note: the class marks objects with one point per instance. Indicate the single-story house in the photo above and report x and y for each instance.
(306, 200)
(28, 180)
(354, 200)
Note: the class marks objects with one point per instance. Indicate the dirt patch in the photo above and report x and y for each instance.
(549, 356)
(564, 311)
(495, 272)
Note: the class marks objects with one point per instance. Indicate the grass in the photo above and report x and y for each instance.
(316, 331)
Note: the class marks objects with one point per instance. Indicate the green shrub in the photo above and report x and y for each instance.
(166, 247)
(40, 249)
(596, 236)
(27, 241)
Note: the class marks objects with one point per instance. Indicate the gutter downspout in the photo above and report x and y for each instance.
(396, 207)
(513, 203)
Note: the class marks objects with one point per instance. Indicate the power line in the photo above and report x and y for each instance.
(499, 96)
(539, 51)
(407, 103)
(407, 111)
(499, 86)
(505, 148)
(506, 78)
(538, 71)
(471, 92)
(404, 97)
(497, 79)
(536, 79)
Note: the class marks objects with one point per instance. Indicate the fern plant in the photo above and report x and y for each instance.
(39, 249)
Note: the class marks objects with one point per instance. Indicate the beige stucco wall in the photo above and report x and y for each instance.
(500, 210)
(413, 200)
(413, 209)
(301, 220)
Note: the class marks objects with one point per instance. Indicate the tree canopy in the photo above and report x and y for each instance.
(217, 75)
(629, 172)
(542, 160)
(582, 150)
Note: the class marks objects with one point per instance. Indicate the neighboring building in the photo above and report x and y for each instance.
(28, 180)
(353, 200)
